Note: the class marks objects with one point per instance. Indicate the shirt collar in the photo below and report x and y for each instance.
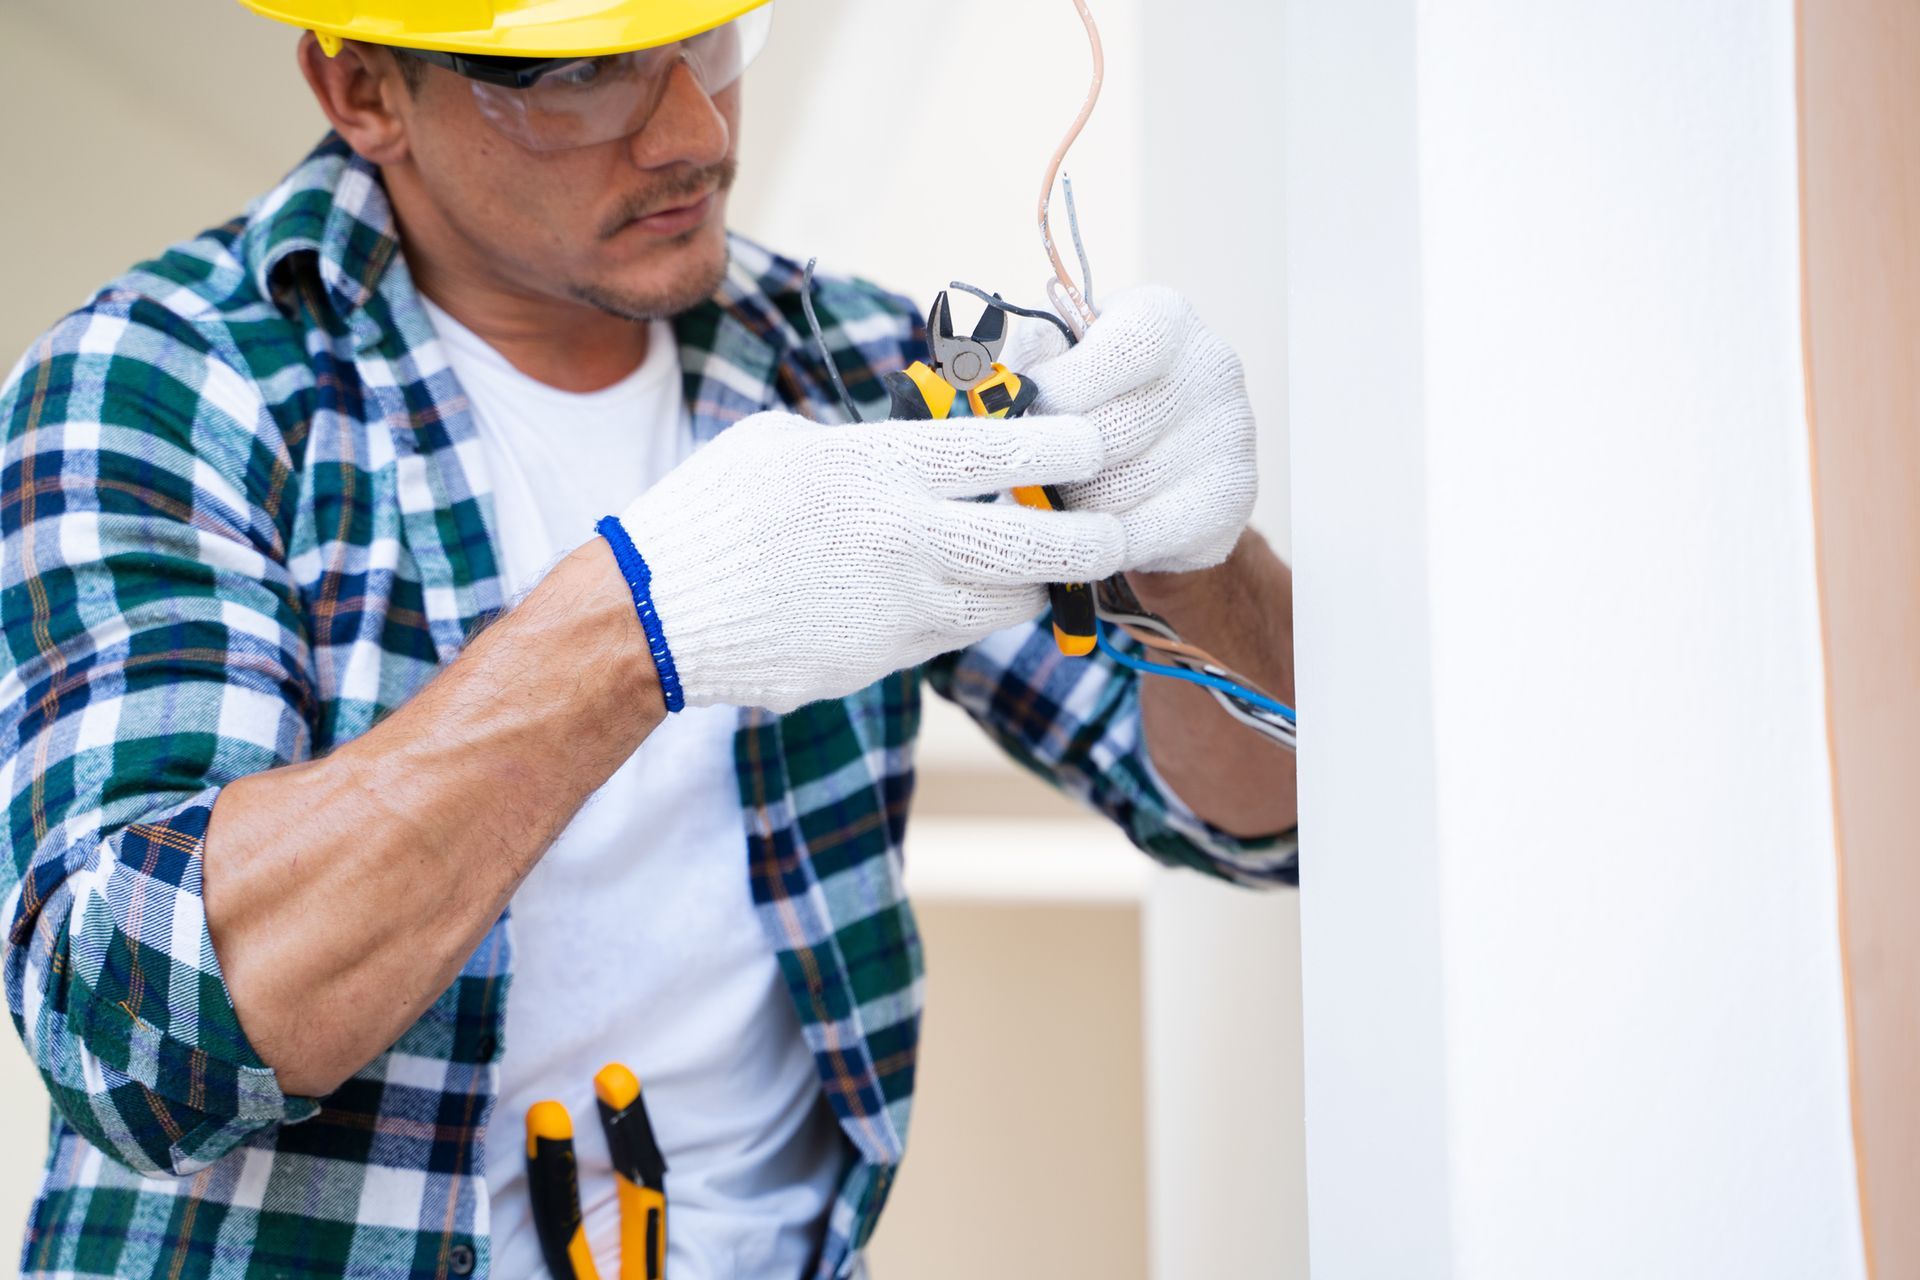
(333, 210)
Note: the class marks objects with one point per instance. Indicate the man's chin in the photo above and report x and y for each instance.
(691, 274)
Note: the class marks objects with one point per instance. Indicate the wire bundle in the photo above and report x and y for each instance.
(1238, 696)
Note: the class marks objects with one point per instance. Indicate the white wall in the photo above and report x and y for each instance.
(1571, 253)
(878, 138)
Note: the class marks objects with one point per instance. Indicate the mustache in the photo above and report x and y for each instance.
(682, 188)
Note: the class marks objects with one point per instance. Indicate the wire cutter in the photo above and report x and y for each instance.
(553, 1182)
(931, 390)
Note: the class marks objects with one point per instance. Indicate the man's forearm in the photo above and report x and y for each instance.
(344, 894)
(1242, 612)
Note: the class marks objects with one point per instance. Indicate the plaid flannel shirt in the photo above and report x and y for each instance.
(244, 516)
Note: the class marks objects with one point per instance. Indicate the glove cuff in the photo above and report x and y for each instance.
(640, 582)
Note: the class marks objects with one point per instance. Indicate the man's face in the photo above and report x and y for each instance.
(634, 227)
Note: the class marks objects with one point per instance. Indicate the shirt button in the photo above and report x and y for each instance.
(485, 1047)
(460, 1259)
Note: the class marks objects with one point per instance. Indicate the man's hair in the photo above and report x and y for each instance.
(412, 69)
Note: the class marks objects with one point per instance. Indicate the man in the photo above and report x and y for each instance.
(272, 788)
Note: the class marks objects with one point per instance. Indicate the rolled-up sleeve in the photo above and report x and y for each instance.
(153, 653)
(1076, 723)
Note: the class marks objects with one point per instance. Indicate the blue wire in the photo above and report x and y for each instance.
(1192, 677)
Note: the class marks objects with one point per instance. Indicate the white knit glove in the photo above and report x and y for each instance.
(792, 562)
(1171, 404)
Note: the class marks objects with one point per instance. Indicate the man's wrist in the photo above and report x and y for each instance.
(591, 581)
(1171, 594)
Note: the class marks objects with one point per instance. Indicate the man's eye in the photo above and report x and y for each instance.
(577, 75)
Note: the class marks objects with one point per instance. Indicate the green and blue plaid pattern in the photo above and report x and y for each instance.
(243, 515)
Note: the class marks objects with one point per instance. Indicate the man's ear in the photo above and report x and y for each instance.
(361, 91)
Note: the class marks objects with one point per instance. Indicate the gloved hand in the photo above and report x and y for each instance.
(1171, 404)
(792, 562)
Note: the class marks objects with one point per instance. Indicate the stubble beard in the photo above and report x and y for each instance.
(697, 285)
(662, 304)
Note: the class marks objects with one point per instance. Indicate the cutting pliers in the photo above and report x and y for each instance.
(932, 389)
(553, 1182)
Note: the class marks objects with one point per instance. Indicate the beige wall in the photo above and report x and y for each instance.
(1029, 1159)
(128, 151)
(23, 1120)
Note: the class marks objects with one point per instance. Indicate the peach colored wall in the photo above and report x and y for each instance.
(1860, 156)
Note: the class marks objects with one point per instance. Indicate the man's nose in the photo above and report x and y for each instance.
(687, 127)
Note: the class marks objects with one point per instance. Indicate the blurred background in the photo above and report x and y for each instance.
(1111, 1073)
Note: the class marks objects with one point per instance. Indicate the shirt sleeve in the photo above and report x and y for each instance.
(1076, 723)
(153, 652)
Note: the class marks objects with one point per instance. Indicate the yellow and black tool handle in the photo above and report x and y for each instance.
(641, 1172)
(920, 393)
(1073, 604)
(1008, 395)
(553, 1184)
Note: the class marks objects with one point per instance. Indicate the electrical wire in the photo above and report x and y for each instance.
(820, 341)
(1238, 696)
(1184, 653)
(995, 300)
(1278, 730)
(1247, 712)
(1240, 692)
(1154, 632)
(1079, 245)
(1080, 305)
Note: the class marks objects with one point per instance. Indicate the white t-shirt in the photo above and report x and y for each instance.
(635, 938)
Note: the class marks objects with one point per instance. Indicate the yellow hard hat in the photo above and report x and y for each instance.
(506, 28)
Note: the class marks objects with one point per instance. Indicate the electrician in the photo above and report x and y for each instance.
(315, 660)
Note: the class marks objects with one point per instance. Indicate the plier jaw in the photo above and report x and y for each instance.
(967, 369)
(965, 362)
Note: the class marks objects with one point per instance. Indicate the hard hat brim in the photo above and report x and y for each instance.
(532, 29)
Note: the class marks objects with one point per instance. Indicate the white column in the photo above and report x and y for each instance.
(1574, 1002)
(1370, 910)
(1226, 1167)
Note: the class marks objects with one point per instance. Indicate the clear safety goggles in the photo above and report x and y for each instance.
(556, 104)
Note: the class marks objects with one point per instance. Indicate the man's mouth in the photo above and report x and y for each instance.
(676, 219)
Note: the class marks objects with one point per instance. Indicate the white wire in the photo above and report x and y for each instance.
(1276, 731)
(1160, 628)
(1260, 722)
(1145, 623)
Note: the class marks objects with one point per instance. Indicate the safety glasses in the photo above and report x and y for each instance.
(556, 104)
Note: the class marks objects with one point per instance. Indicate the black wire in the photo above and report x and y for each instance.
(995, 300)
(820, 340)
